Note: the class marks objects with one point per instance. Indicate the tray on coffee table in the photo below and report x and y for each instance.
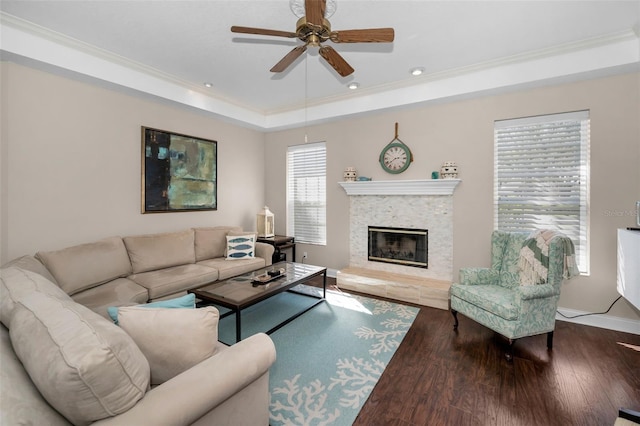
(267, 277)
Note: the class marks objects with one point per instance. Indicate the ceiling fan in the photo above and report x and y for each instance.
(313, 29)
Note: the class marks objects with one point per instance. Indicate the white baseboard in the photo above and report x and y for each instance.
(599, 320)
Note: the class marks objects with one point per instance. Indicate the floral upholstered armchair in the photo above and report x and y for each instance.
(517, 296)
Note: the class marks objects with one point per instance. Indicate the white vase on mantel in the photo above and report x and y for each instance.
(449, 170)
(350, 174)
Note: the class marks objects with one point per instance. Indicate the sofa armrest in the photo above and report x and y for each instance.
(265, 251)
(475, 276)
(541, 291)
(197, 391)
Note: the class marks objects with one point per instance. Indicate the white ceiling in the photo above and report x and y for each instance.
(170, 48)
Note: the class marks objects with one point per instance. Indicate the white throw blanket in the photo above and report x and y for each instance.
(534, 258)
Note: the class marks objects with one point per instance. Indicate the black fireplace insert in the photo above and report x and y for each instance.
(402, 246)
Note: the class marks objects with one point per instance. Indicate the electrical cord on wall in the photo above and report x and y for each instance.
(592, 313)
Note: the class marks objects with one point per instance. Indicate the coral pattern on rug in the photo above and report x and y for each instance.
(330, 377)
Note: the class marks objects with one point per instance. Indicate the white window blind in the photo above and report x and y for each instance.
(541, 177)
(306, 193)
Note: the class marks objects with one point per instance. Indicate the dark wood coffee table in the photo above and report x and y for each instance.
(240, 292)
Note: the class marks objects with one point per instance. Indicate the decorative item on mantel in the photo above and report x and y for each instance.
(396, 157)
(350, 174)
(363, 179)
(449, 170)
(266, 223)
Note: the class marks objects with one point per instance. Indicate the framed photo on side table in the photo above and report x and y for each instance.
(179, 172)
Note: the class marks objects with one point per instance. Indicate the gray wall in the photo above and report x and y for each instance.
(71, 164)
(462, 131)
(70, 167)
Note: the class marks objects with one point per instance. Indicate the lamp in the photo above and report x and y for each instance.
(265, 223)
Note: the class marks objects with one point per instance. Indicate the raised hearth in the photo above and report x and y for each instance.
(418, 290)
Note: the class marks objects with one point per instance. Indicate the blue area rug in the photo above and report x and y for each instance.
(330, 358)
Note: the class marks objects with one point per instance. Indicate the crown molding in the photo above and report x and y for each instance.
(630, 35)
(618, 52)
(94, 51)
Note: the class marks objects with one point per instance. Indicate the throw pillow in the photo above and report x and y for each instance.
(172, 340)
(187, 301)
(241, 246)
(83, 365)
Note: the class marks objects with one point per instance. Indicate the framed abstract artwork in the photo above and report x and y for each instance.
(179, 172)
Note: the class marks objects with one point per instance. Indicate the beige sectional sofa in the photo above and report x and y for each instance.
(63, 362)
(143, 268)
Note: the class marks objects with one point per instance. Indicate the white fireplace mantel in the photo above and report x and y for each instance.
(401, 187)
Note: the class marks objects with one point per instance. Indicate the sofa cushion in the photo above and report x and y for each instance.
(84, 366)
(16, 283)
(173, 340)
(492, 298)
(232, 268)
(172, 280)
(119, 292)
(187, 301)
(241, 246)
(84, 266)
(21, 403)
(30, 263)
(211, 242)
(157, 251)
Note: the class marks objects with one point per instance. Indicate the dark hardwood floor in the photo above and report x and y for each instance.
(442, 377)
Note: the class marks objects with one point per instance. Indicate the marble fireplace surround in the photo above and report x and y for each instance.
(425, 204)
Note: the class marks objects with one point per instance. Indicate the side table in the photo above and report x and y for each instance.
(280, 242)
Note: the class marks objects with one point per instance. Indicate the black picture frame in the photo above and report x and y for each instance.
(179, 172)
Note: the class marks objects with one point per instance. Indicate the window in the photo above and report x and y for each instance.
(541, 177)
(306, 193)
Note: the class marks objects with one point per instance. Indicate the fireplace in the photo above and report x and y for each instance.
(406, 205)
(400, 246)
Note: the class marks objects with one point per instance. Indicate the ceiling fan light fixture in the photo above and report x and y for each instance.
(353, 86)
(416, 71)
(314, 29)
(297, 7)
(208, 85)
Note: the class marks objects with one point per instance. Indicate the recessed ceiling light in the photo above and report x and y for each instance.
(417, 71)
(208, 84)
(353, 86)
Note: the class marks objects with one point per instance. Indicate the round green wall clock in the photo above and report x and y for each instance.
(396, 157)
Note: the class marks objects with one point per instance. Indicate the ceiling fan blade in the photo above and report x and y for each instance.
(262, 31)
(336, 61)
(314, 11)
(289, 58)
(370, 35)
